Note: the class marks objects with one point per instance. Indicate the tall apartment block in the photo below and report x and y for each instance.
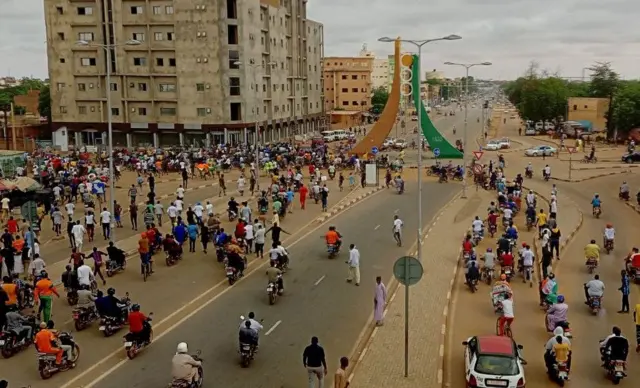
(183, 71)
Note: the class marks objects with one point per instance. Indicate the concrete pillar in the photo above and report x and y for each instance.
(77, 139)
(181, 137)
(156, 140)
(245, 136)
(129, 140)
(226, 136)
(207, 140)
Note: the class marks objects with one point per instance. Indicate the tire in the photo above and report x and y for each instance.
(616, 380)
(131, 353)
(231, 281)
(79, 325)
(6, 352)
(272, 298)
(109, 273)
(76, 351)
(44, 373)
(72, 300)
(551, 154)
(107, 332)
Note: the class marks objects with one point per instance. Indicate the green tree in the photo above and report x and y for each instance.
(626, 106)
(604, 83)
(31, 84)
(44, 102)
(379, 98)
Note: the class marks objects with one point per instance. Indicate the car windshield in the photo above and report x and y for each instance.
(497, 365)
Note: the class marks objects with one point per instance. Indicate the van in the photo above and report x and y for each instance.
(328, 136)
(341, 134)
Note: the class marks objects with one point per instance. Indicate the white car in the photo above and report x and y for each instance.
(400, 144)
(541, 150)
(504, 143)
(388, 143)
(492, 145)
(530, 132)
(549, 126)
(493, 361)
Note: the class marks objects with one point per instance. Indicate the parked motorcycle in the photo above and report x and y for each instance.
(83, 317)
(47, 361)
(133, 344)
(11, 342)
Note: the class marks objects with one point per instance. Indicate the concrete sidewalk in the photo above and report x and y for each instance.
(381, 362)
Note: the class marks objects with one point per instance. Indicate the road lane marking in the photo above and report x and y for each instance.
(319, 280)
(376, 228)
(273, 328)
(201, 305)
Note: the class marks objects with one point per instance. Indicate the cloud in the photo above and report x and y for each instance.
(559, 34)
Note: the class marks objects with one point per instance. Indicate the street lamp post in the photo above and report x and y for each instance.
(418, 44)
(255, 66)
(107, 48)
(467, 66)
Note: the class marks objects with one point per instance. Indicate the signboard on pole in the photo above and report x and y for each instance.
(408, 270)
(436, 152)
(478, 154)
(374, 150)
(571, 150)
(477, 169)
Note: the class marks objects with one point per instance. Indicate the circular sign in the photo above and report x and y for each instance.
(478, 168)
(374, 150)
(408, 270)
(436, 152)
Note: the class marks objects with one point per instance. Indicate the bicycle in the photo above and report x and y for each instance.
(507, 328)
(145, 267)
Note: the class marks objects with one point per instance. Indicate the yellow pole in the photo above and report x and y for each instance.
(13, 128)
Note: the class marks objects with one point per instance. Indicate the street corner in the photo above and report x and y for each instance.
(350, 200)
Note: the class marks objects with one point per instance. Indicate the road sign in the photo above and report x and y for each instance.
(408, 270)
(478, 154)
(436, 152)
(571, 149)
(374, 150)
(478, 168)
(29, 210)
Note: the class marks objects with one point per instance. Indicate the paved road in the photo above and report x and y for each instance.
(317, 302)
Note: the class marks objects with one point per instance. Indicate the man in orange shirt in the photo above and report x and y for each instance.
(44, 340)
(12, 293)
(43, 293)
(143, 249)
(333, 237)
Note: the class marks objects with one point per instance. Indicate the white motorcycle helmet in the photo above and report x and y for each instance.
(182, 348)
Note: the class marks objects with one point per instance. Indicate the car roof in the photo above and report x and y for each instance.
(493, 344)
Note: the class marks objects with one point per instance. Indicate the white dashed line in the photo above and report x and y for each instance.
(376, 228)
(319, 280)
(273, 328)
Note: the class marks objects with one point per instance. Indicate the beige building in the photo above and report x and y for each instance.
(593, 110)
(203, 72)
(380, 74)
(347, 83)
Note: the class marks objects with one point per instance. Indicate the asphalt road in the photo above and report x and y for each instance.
(317, 301)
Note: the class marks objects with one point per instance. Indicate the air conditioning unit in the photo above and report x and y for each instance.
(204, 7)
(208, 110)
(133, 110)
(208, 86)
(206, 60)
(90, 86)
(204, 34)
(198, 60)
(198, 34)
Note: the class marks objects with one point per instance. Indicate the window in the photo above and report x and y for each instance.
(232, 9)
(88, 61)
(167, 111)
(171, 36)
(81, 10)
(157, 10)
(168, 9)
(159, 61)
(354, 90)
(61, 35)
(82, 87)
(138, 36)
(114, 87)
(172, 62)
(82, 110)
(142, 86)
(200, 87)
(234, 56)
(345, 90)
(59, 86)
(354, 102)
(115, 111)
(354, 77)
(86, 36)
(142, 111)
(140, 61)
(232, 34)
(167, 87)
(264, 87)
(345, 103)
(236, 111)
(61, 11)
(344, 77)
(62, 109)
(62, 60)
(202, 111)
(234, 86)
(136, 10)
(158, 36)
(575, 107)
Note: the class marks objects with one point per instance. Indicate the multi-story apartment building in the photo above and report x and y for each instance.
(380, 74)
(347, 83)
(183, 71)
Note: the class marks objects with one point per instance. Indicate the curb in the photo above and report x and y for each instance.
(606, 168)
(336, 209)
(590, 178)
(632, 206)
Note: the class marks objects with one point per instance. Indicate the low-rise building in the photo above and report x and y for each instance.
(589, 109)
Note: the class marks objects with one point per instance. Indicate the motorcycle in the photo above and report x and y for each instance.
(477, 237)
(546, 176)
(563, 324)
(624, 195)
(616, 370)
(528, 174)
(608, 245)
(113, 267)
(171, 259)
(12, 342)
(530, 222)
(332, 174)
(597, 211)
(47, 361)
(273, 291)
(332, 250)
(72, 296)
(561, 373)
(487, 273)
(508, 272)
(133, 344)
(232, 215)
(110, 325)
(191, 384)
(591, 264)
(233, 274)
(493, 228)
(83, 317)
(595, 302)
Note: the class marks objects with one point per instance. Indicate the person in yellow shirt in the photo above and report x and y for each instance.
(592, 251)
(12, 292)
(541, 221)
(561, 350)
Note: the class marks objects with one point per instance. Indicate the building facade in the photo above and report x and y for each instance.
(380, 74)
(347, 83)
(593, 110)
(183, 72)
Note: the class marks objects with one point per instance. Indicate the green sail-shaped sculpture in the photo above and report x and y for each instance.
(433, 136)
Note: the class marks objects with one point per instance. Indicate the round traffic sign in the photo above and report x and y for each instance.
(436, 152)
(374, 150)
(408, 270)
(478, 168)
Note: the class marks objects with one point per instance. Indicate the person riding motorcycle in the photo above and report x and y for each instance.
(549, 290)
(333, 237)
(596, 203)
(592, 252)
(473, 271)
(138, 326)
(624, 190)
(609, 234)
(116, 254)
(247, 335)
(529, 168)
(557, 313)
(531, 199)
(171, 247)
(633, 261)
(549, 358)
(504, 245)
(278, 254)
(46, 342)
(614, 347)
(111, 306)
(86, 300)
(594, 288)
(184, 367)
(274, 275)
(512, 231)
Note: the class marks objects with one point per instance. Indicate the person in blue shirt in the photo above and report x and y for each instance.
(192, 230)
(290, 195)
(596, 202)
(222, 238)
(512, 232)
(531, 215)
(180, 233)
(512, 205)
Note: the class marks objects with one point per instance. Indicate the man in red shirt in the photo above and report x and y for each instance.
(137, 327)
(303, 195)
(492, 218)
(12, 225)
(467, 245)
(506, 260)
(240, 230)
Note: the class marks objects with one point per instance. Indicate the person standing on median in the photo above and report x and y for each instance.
(354, 265)
(314, 360)
(379, 301)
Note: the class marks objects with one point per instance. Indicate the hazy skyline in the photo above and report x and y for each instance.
(563, 36)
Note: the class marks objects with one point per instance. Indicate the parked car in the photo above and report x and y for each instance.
(492, 145)
(541, 150)
(549, 126)
(632, 157)
(400, 144)
(530, 132)
(388, 143)
(539, 126)
(504, 143)
(493, 361)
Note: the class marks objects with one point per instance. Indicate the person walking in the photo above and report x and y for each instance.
(624, 290)
(340, 379)
(314, 361)
(222, 186)
(397, 230)
(379, 301)
(105, 218)
(303, 191)
(547, 256)
(354, 265)
(133, 213)
(554, 241)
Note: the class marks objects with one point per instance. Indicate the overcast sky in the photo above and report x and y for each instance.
(562, 35)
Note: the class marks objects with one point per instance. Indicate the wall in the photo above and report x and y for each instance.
(28, 101)
(347, 83)
(590, 109)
